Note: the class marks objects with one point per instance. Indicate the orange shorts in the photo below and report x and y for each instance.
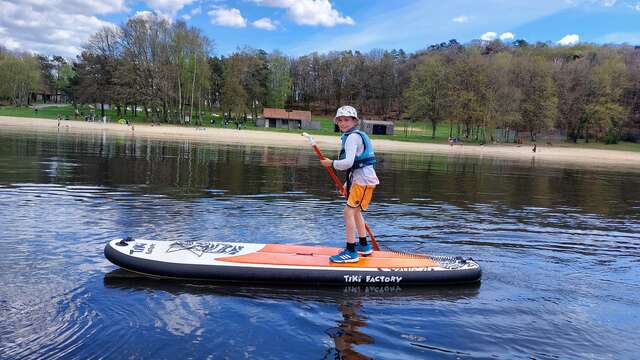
(360, 196)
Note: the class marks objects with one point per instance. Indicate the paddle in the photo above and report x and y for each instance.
(333, 176)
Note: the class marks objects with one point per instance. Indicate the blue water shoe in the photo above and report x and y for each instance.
(365, 250)
(345, 256)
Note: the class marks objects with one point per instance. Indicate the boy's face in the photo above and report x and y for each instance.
(346, 122)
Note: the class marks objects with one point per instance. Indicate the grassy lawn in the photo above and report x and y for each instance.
(412, 132)
(47, 113)
(66, 111)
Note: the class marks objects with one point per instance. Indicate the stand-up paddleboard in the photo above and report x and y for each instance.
(280, 263)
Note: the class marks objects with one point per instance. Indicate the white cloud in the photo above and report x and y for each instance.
(608, 3)
(7, 41)
(192, 13)
(227, 17)
(488, 36)
(60, 7)
(96, 6)
(148, 15)
(461, 19)
(265, 24)
(569, 40)
(636, 7)
(506, 36)
(145, 15)
(310, 12)
(53, 27)
(169, 7)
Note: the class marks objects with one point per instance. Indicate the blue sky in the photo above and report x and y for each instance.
(298, 27)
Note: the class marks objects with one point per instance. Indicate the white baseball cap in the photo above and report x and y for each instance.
(346, 111)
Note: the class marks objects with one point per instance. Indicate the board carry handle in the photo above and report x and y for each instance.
(333, 176)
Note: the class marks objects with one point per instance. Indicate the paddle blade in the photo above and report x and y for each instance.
(310, 138)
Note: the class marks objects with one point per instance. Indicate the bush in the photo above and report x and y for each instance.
(611, 138)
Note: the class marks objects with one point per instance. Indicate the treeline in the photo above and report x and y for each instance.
(586, 91)
(167, 70)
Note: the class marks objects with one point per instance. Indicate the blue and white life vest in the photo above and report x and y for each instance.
(368, 157)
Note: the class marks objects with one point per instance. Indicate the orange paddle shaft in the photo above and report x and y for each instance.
(333, 176)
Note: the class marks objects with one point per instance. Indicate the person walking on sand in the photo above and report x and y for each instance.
(357, 158)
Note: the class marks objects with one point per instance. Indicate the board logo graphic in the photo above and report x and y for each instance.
(142, 248)
(200, 248)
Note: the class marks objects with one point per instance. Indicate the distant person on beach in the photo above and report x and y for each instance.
(357, 158)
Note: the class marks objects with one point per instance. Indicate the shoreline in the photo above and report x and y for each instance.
(545, 155)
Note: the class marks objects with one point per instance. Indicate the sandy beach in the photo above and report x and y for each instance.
(544, 155)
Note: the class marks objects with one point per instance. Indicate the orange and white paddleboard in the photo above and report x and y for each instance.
(281, 263)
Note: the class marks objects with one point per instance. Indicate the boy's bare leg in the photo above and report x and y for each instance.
(360, 224)
(350, 223)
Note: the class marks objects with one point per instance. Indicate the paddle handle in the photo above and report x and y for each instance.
(330, 171)
(335, 179)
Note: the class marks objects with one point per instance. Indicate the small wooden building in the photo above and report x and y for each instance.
(286, 119)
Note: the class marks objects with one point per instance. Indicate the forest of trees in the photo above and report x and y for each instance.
(585, 91)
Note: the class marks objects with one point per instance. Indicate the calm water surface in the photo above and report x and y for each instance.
(560, 250)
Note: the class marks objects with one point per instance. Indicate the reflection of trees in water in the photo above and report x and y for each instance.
(188, 167)
(348, 332)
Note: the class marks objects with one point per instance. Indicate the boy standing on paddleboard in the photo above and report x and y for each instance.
(357, 158)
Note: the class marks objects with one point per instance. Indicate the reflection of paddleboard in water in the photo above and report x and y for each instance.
(279, 263)
(127, 280)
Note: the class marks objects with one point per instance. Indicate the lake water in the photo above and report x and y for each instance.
(560, 251)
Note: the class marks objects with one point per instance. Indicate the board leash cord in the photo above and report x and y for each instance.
(442, 259)
(409, 255)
